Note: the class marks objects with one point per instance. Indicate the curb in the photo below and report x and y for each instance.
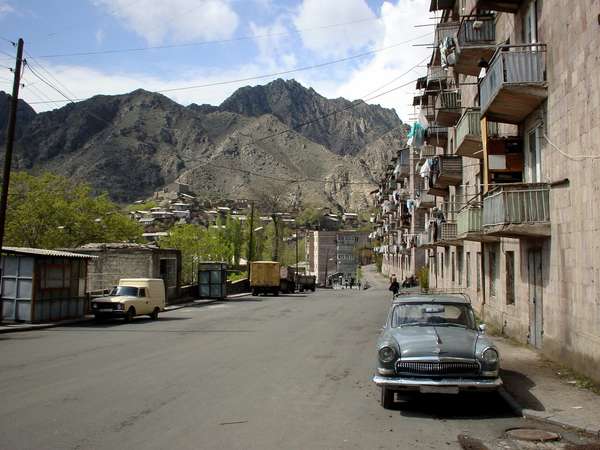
(541, 417)
(43, 326)
(544, 417)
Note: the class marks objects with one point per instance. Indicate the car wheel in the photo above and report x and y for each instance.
(387, 398)
(130, 314)
(154, 315)
(254, 292)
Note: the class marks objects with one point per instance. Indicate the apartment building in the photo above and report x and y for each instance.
(510, 109)
(334, 253)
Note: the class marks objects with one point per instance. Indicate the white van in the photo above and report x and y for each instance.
(132, 297)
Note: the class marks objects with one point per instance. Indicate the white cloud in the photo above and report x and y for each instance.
(160, 21)
(274, 51)
(5, 8)
(399, 22)
(337, 41)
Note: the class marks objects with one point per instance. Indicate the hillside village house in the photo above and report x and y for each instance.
(497, 194)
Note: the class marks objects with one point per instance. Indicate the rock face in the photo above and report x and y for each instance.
(346, 126)
(134, 144)
(25, 115)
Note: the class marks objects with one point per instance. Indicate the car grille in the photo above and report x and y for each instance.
(437, 368)
(104, 305)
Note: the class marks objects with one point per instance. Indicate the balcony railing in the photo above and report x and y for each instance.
(476, 40)
(509, 6)
(436, 78)
(437, 136)
(444, 30)
(468, 225)
(447, 234)
(427, 151)
(449, 171)
(425, 239)
(468, 134)
(448, 108)
(517, 210)
(515, 83)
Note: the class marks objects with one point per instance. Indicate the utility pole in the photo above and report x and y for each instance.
(10, 138)
(251, 240)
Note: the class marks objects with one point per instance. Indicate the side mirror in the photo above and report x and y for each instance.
(482, 328)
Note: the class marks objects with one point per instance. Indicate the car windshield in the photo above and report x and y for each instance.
(128, 291)
(438, 314)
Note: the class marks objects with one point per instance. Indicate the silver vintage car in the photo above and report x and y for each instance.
(431, 344)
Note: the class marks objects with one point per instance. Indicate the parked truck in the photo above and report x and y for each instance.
(265, 277)
(300, 281)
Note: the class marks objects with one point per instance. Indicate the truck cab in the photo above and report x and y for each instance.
(132, 297)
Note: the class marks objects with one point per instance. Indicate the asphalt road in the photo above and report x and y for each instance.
(270, 373)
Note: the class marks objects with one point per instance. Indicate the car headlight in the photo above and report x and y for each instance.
(119, 306)
(490, 356)
(387, 354)
(95, 305)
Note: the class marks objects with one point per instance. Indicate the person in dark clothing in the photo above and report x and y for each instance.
(394, 286)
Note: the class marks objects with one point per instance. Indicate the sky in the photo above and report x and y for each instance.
(91, 47)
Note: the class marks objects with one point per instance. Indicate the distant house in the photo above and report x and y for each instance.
(41, 285)
(122, 260)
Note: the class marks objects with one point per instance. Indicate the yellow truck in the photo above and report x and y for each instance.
(264, 277)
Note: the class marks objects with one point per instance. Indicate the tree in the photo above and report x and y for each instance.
(50, 211)
(191, 240)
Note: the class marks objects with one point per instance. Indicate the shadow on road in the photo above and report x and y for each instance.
(519, 386)
(467, 406)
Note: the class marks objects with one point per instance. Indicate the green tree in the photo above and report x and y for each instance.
(192, 241)
(50, 211)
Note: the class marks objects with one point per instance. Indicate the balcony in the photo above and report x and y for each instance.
(448, 172)
(515, 83)
(437, 136)
(468, 225)
(425, 239)
(427, 151)
(446, 234)
(517, 210)
(437, 5)
(437, 78)
(447, 108)
(442, 31)
(468, 134)
(509, 6)
(476, 40)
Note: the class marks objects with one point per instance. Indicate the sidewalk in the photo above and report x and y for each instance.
(542, 393)
(15, 327)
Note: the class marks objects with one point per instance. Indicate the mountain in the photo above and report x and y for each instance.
(345, 129)
(25, 115)
(134, 144)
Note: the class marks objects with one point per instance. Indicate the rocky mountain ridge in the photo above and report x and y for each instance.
(133, 144)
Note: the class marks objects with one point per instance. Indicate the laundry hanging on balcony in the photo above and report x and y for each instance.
(416, 136)
(447, 48)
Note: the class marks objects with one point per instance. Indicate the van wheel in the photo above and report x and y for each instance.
(154, 315)
(130, 314)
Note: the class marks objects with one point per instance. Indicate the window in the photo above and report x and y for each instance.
(493, 272)
(478, 271)
(468, 268)
(459, 264)
(142, 292)
(452, 268)
(442, 264)
(533, 159)
(510, 278)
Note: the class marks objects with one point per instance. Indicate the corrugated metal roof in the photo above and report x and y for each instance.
(45, 252)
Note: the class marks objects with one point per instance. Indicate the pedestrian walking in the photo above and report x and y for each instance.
(394, 286)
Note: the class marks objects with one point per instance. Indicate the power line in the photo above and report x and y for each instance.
(209, 42)
(274, 74)
(13, 43)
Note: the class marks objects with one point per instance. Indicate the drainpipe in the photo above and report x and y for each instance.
(482, 262)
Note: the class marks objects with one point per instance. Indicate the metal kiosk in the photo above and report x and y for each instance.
(212, 280)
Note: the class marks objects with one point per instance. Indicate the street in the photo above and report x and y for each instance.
(289, 372)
